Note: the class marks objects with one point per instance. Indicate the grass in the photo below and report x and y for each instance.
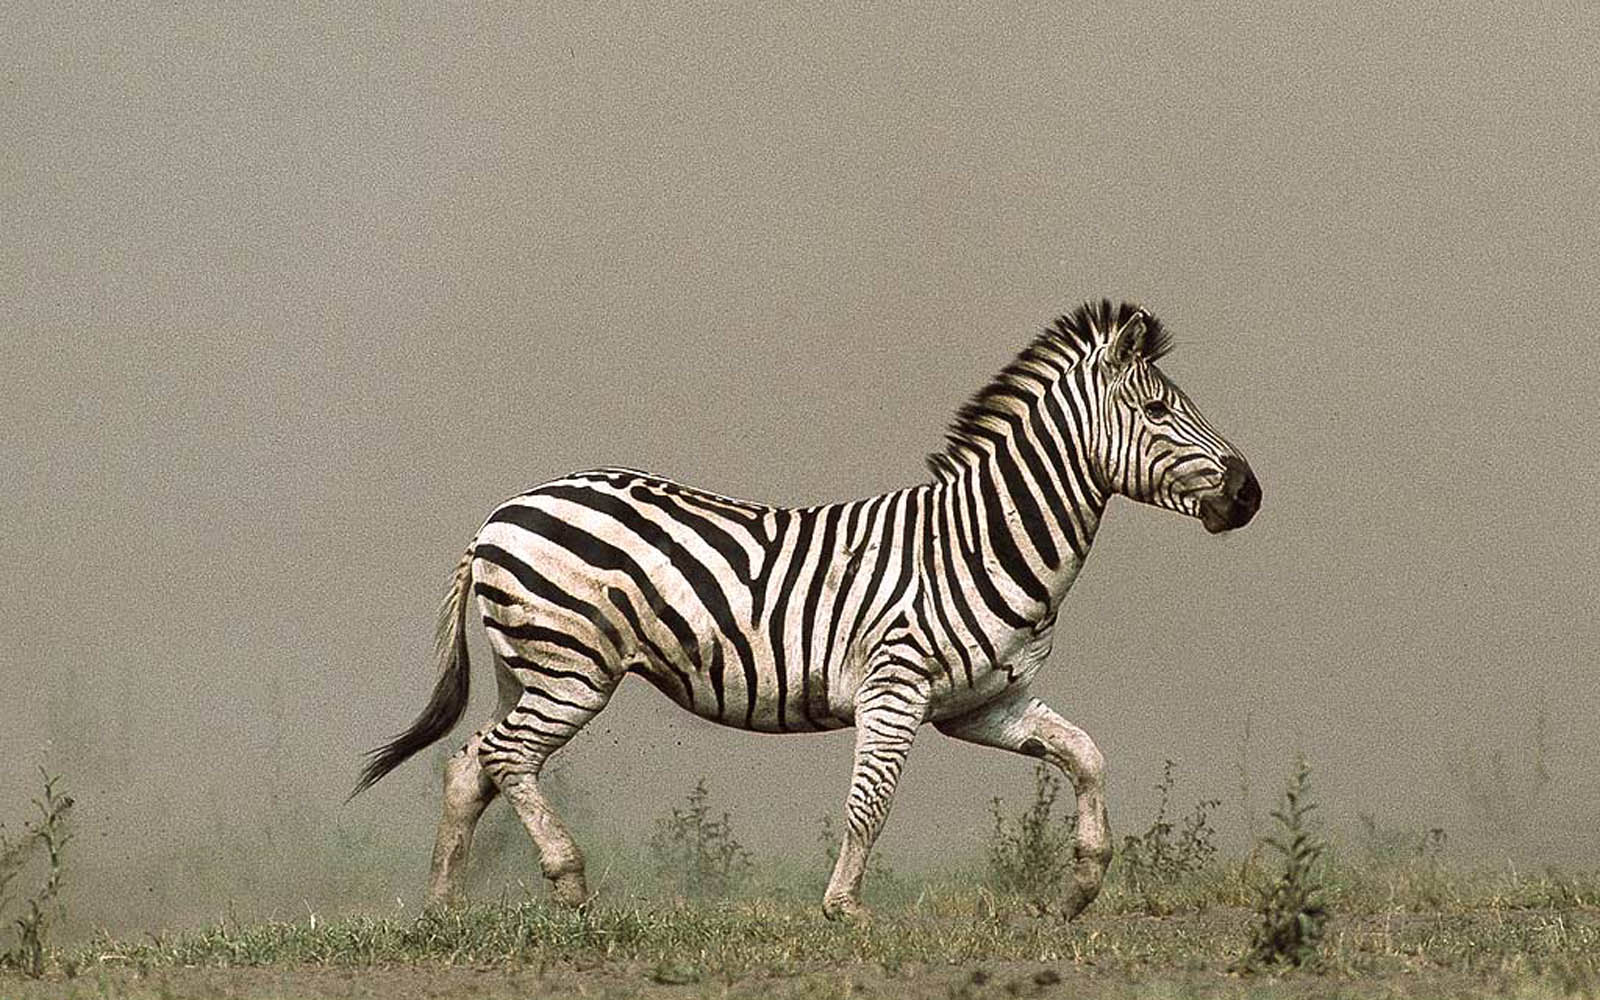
(1395, 918)
(1488, 932)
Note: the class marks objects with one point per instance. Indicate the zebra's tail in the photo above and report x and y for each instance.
(449, 698)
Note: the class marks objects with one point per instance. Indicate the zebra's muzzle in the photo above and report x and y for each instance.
(1235, 502)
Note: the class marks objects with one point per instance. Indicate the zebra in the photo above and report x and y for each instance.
(931, 604)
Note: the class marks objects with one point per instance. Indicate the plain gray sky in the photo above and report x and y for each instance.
(291, 298)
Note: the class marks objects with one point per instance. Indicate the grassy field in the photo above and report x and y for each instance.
(1383, 915)
(1397, 929)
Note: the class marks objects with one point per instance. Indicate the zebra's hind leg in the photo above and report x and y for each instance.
(554, 705)
(1023, 724)
(467, 793)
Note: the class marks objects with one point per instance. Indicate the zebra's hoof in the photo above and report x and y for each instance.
(569, 890)
(846, 909)
(1076, 901)
(444, 898)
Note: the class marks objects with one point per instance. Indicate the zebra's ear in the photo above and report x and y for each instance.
(1127, 343)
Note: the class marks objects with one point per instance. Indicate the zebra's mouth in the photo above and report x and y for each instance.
(1235, 502)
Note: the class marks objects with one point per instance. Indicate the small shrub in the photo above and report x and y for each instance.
(1292, 912)
(1504, 793)
(696, 854)
(1388, 846)
(1166, 852)
(48, 835)
(1032, 853)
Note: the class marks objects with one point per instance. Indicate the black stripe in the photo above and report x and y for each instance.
(1004, 546)
(706, 528)
(864, 511)
(806, 526)
(495, 594)
(1020, 486)
(1039, 483)
(707, 588)
(719, 680)
(518, 663)
(758, 585)
(602, 554)
(657, 682)
(1081, 402)
(808, 615)
(546, 591)
(956, 596)
(523, 708)
(908, 571)
(905, 663)
(972, 557)
(750, 516)
(942, 511)
(547, 696)
(817, 700)
(879, 566)
(1049, 435)
(549, 636)
(619, 599)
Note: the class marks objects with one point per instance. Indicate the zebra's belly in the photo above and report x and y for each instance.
(802, 703)
(960, 699)
(1020, 664)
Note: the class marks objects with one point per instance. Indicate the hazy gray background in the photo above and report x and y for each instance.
(291, 300)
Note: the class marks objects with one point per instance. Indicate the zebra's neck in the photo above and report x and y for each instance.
(1023, 509)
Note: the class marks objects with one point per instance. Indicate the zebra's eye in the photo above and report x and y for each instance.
(1157, 410)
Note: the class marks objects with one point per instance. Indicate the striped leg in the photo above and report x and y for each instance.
(1023, 724)
(889, 708)
(554, 705)
(467, 792)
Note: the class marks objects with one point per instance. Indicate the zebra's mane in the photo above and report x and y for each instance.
(1065, 343)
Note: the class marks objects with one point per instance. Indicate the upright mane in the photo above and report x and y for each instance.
(1062, 345)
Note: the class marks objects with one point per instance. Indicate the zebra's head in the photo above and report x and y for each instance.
(1155, 445)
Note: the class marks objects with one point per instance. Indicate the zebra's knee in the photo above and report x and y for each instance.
(1090, 767)
(466, 786)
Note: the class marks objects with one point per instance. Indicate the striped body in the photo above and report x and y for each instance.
(756, 617)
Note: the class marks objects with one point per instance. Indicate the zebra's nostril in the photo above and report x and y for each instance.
(1238, 481)
(1249, 491)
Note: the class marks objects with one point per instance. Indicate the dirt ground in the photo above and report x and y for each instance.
(999, 981)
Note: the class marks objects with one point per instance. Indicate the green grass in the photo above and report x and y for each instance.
(1493, 928)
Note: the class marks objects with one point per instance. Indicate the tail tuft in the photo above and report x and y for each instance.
(449, 697)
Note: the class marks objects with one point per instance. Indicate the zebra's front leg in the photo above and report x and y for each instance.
(1023, 724)
(889, 709)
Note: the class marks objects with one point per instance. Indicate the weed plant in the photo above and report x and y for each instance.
(1152, 864)
(695, 854)
(47, 836)
(1292, 912)
(1032, 853)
